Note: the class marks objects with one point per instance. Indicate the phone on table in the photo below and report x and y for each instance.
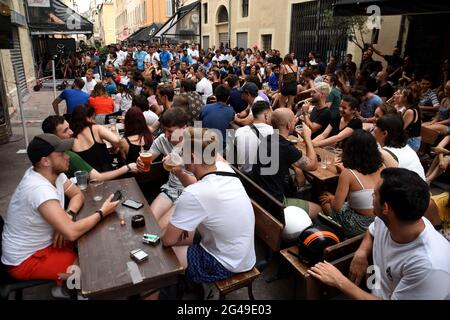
(136, 205)
(138, 255)
(152, 239)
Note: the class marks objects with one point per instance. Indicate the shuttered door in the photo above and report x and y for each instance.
(205, 44)
(242, 40)
(223, 39)
(16, 59)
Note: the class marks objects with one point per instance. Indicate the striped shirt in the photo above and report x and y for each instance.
(429, 98)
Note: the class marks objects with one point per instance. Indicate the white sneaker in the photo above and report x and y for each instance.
(59, 293)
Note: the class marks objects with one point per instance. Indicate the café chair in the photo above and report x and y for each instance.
(9, 285)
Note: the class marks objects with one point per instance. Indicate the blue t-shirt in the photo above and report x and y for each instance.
(139, 56)
(74, 98)
(217, 116)
(187, 59)
(165, 57)
(236, 101)
(273, 82)
(111, 88)
(368, 107)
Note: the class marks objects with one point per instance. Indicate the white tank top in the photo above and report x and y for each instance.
(361, 199)
(407, 158)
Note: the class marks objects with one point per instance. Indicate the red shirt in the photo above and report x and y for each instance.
(102, 105)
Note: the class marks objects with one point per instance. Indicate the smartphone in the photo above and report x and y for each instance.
(117, 196)
(136, 205)
(150, 239)
(138, 255)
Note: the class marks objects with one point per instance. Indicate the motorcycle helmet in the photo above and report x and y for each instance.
(296, 220)
(312, 243)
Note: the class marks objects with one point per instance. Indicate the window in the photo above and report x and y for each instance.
(205, 13)
(266, 40)
(244, 8)
(169, 8)
(222, 15)
(242, 40)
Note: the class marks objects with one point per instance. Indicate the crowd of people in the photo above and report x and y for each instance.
(171, 96)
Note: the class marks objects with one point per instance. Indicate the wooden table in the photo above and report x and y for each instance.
(105, 251)
(321, 178)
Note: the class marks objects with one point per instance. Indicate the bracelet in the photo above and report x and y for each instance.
(102, 215)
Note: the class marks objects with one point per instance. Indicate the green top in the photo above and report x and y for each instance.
(76, 163)
(335, 99)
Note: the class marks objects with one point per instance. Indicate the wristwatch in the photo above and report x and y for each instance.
(102, 215)
(129, 168)
(72, 214)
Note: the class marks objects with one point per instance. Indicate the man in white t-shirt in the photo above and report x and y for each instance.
(37, 235)
(204, 86)
(152, 58)
(248, 137)
(218, 207)
(193, 52)
(89, 81)
(411, 259)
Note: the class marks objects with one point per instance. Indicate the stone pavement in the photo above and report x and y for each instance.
(13, 165)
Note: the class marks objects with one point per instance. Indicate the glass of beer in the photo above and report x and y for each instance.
(171, 161)
(146, 158)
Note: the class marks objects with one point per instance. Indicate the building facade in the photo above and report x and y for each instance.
(131, 15)
(21, 56)
(277, 24)
(106, 23)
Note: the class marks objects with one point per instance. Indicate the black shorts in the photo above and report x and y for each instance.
(289, 89)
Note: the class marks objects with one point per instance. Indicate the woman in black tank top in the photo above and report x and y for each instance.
(288, 82)
(411, 118)
(137, 135)
(97, 154)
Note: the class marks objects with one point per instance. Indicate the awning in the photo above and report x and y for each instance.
(183, 25)
(145, 33)
(390, 7)
(57, 18)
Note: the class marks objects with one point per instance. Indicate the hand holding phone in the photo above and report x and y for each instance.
(117, 196)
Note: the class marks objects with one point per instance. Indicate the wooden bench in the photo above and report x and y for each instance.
(339, 255)
(269, 230)
(262, 197)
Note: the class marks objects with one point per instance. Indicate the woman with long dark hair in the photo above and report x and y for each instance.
(137, 135)
(362, 166)
(411, 118)
(89, 139)
(392, 139)
(347, 123)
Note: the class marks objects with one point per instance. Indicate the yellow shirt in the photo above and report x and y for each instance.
(442, 204)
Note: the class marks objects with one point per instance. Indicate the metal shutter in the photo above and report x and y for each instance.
(242, 40)
(223, 39)
(205, 44)
(16, 59)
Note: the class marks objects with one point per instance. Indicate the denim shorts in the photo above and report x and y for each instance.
(203, 267)
(414, 143)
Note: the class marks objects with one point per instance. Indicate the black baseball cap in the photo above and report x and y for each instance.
(44, 144)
